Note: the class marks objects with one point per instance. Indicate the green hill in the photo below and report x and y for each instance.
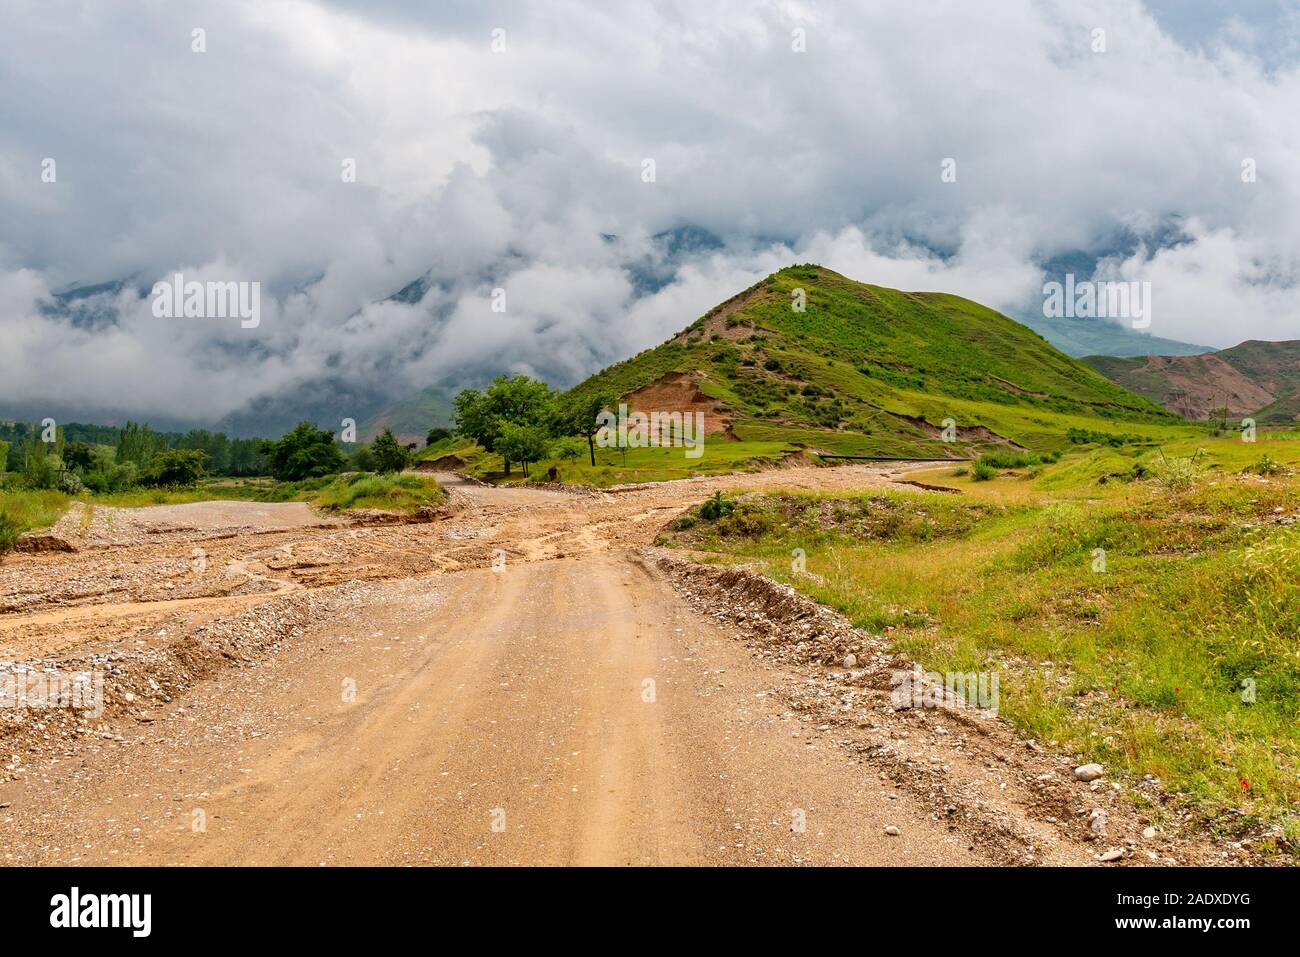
(874, 371)
(411, 418)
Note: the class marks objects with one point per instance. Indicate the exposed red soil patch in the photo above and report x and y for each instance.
(1194, 385)
(680, 393)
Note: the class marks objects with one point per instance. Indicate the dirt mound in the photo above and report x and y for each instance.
(446, 463)
(930, 488)
(379, 516)
(798, 459)
(44, 543)
(804, 631)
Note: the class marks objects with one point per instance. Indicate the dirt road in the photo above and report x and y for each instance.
(515, 684)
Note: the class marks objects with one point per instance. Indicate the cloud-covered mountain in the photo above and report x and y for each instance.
(613, 172)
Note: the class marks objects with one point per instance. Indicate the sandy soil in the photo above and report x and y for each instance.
(101, 525)
(521, 681)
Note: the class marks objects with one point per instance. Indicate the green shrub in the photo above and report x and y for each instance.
(982, 471)
(175, 468)
(1266, 465)
(389, 454)
(306, 452)
(363, 459)
(10, 530)
(1179, 473)
(362, 490)
(1088, 436)
(41, 472)
(745, 519)
(70, 484)
(108, 476)
(1018, 460)
(716, 507)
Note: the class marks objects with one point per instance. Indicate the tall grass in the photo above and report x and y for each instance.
(10, 530)
(398, 493)
(1001, 459)
(23, 510)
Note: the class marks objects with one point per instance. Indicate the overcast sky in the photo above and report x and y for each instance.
(512, 168)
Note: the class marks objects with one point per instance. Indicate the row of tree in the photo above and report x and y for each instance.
(73, 466)
(81, 446)
(45, 459)
(521, 419)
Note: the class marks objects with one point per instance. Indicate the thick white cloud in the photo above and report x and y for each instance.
(513, 169)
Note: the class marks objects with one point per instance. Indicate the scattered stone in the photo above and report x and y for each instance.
(1089, 772)
(1097, 822)
(892, 831)
(1114, 854)
(850, 661)
(1148, 833)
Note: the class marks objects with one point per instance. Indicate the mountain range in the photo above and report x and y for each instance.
(1100, 337)
(1256, 379)
(861, 361)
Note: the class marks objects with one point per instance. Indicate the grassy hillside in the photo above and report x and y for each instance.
(411, 418)
(875, 371)
(1139, 606)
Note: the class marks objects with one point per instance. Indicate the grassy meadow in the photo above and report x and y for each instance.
(1141, 606)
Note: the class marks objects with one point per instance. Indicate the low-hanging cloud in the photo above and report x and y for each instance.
(504, 147)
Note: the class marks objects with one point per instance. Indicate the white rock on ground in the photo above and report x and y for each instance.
(1089, 772)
